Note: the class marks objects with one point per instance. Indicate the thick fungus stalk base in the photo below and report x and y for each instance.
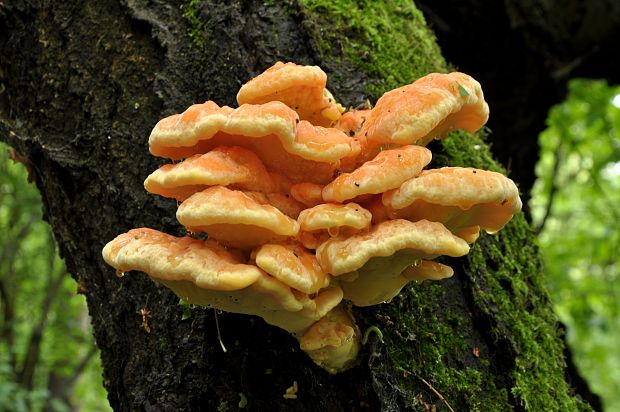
(307, 206)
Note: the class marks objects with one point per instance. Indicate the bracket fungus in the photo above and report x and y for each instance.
(299, 87)
(320, 222)
(428, 108)
(370, 264)
(388, 170)
(292, 264)
(228, 166)
(307, 207)
(459, 197)
(234, 218)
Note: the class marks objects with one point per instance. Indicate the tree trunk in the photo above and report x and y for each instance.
(83, 83)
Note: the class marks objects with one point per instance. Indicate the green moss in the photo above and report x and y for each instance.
(198, 29)
(391, 44)
(163, 342)
(389, 41)
(467, 150)
(223, 407)
(243, 401)
(427, 346)
(509, 286)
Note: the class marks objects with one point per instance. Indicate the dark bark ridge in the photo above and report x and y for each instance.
(84, 84)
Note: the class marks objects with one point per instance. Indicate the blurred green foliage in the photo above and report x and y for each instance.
(576, 208)
(48, 359)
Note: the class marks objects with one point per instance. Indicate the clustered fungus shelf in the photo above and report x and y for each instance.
(307, 206)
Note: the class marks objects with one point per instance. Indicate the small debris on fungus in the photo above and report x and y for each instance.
(293, 206)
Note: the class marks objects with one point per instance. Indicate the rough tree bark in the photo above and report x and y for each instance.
(83, 83)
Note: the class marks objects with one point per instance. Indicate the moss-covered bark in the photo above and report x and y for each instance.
(484, 340)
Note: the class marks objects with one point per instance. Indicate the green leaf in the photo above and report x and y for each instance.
(462, 91)
(187, 309)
